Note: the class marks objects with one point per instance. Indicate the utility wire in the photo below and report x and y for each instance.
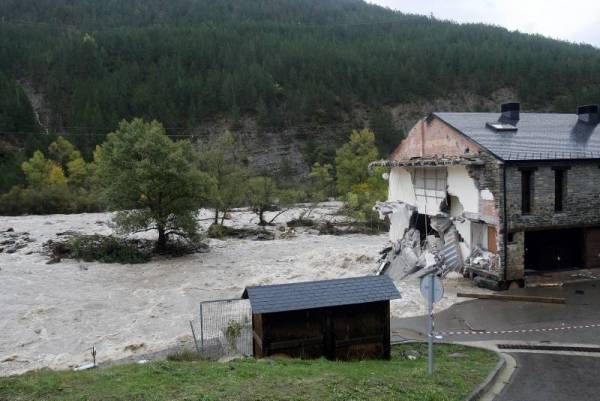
(201, 129)
(195, 132)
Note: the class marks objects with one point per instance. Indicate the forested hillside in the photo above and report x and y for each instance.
(284, 63)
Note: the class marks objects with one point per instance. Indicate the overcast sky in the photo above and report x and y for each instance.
(572, 20)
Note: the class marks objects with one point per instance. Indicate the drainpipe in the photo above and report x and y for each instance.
(504, 221)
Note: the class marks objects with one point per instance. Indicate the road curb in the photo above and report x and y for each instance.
(489, 381)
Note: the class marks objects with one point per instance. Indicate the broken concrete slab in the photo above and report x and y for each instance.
(441, 224)
(399, 214)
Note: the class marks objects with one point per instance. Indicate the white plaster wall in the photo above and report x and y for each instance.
(456, 207)
(399, 222)
(464, 188)
(401, 186)
(463, 227)
(400, 189)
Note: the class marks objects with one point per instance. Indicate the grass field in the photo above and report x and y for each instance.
(458, 371)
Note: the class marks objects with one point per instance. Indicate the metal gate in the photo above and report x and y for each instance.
(225, 328)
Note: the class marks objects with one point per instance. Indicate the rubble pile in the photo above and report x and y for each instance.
(482, 260)
(443, 247)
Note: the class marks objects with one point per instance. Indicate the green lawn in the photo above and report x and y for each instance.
(458, 371)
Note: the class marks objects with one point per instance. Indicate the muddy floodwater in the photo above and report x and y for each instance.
(51, 314)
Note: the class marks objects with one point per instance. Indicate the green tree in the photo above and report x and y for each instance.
(62, 151)
(152, 181)
(37, 169)
(222, 160)
(78, 173)
(364, 195)
(322, 184)
(360, 188)
(262, 195)
(352, 160)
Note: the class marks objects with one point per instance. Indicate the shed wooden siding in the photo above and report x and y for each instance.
(341, 332)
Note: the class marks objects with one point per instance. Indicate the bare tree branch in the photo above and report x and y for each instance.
(276, 216)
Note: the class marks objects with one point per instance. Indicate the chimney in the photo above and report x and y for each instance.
(510, 111)
(588, 114)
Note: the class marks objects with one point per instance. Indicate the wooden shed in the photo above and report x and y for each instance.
(338, 319)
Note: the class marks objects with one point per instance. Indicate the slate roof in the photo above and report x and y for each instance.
(539, 136)
(319, 294)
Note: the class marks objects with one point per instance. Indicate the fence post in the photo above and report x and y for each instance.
(195, 339)
(201, 329)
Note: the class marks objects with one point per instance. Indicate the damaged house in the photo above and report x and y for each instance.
(496, 196)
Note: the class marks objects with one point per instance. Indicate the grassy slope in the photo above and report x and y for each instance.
(458, 371)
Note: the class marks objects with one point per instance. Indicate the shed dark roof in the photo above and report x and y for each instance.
(539, 136)
(319, 294)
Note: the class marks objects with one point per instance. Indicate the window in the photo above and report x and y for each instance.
(526, 181)
(559, 189)
(430, 188)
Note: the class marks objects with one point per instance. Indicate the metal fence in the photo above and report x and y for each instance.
(224, 328)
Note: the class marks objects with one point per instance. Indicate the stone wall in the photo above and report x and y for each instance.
(515, 267)
(490, 177)
(581, 204)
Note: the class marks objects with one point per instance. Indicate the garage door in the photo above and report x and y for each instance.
(554, 249)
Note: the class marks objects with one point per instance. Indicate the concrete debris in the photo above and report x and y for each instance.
(447, 246)
(451, 252)
(399, 213)
(482, 260)
(412, 239)
(435, 243)
(403, 264)
(440, 224)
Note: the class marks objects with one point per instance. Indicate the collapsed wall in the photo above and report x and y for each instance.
(442, 216)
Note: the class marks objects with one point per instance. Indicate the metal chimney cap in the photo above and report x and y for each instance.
(588, 113)
(510, 111)
(510, 106)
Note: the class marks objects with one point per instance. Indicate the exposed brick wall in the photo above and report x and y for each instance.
(433, 137)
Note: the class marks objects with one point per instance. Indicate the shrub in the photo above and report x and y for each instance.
(219, 232)
(106, 249)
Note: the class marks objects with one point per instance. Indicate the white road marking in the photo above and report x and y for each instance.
(519, 331)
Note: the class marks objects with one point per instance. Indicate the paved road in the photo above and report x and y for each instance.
(482, 320)
(543, 377)
(547, 377)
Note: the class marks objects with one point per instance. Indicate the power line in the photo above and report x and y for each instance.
(201, 129)
(195, 132)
